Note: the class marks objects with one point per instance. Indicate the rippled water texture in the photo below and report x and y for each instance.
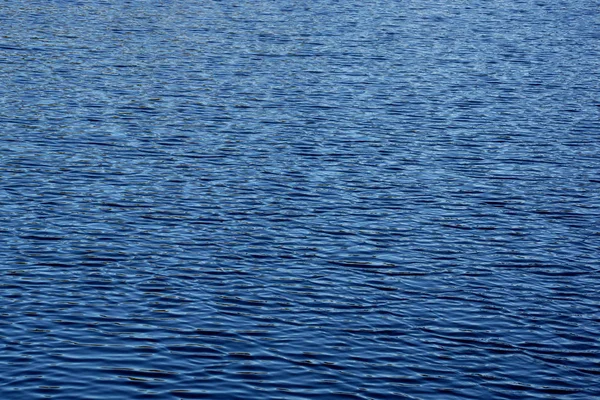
(299, 199)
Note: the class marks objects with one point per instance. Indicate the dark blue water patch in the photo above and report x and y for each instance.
(281, 200)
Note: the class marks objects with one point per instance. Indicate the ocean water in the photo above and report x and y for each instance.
(278, 199)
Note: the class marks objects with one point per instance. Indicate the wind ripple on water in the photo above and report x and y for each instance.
(282, 200)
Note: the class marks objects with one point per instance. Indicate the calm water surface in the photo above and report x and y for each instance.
(299, 199)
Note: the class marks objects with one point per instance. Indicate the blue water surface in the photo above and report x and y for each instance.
(277, 199)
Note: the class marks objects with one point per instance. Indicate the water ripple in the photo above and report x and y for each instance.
(280, 200)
